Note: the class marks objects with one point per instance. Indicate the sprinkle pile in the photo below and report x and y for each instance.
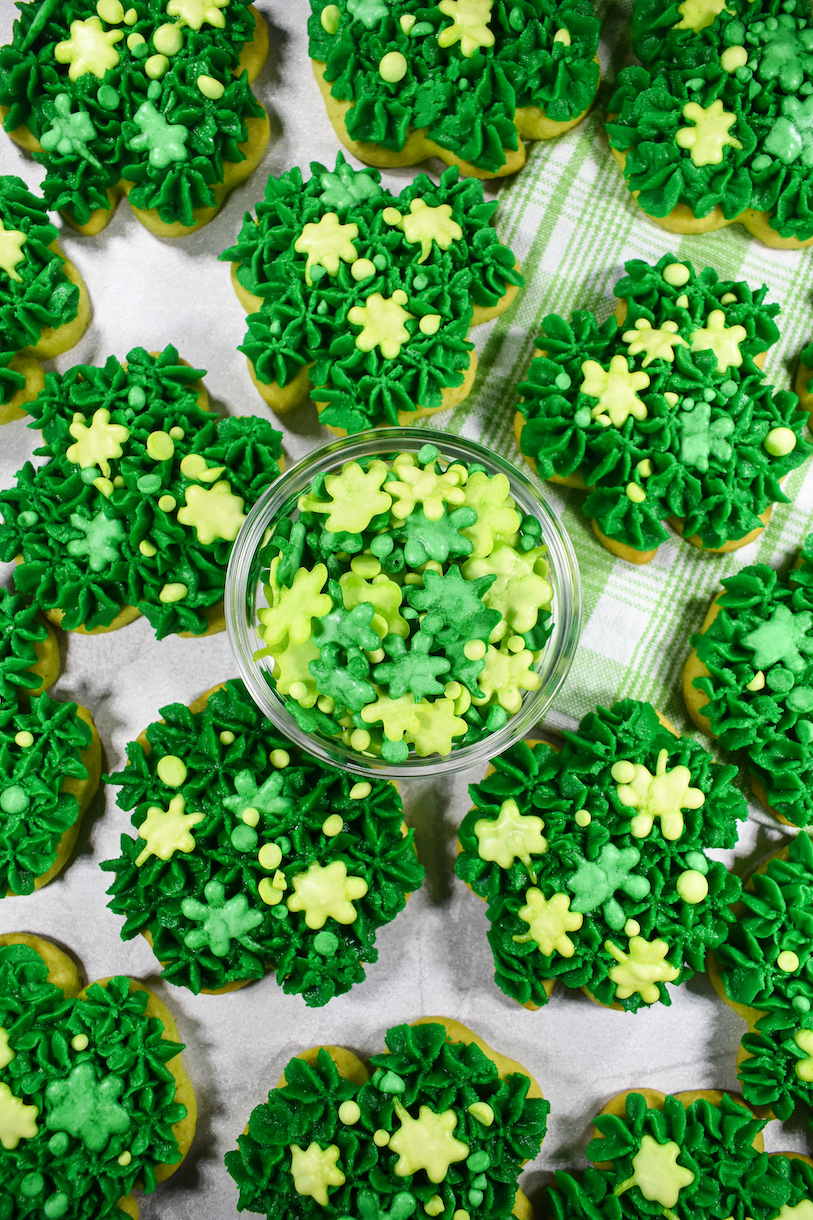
(408, 605)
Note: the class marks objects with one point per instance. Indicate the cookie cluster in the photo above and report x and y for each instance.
(766, 966)
(661, 412)
(462, 72)
(140, 499)
(49, 755)
(717, 121)
(88, 1103)
(755, 692)
(593, 860)
(436, 1129)
(698, 1154)
(408, 605)
(138, 97)
(249, 855)
(374, 292)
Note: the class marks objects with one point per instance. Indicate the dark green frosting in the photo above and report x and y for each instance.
(81, 547)
(775, 917)
(96, 130)
(768, 96)
(731, 1179)
(71, 1167)
(609, 874)
(43, 295)
(466, 104)
(34, 813)
(710, 467)
(294, 802)
(421, 1070)
(301, 322)
(765, 626)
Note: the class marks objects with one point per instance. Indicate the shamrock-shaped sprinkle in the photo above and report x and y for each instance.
(221, 920)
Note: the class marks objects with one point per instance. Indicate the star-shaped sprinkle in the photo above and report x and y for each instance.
(215, 513)
(325, 243)
(166, 831)
(414, 670)
(221, 921)
(616, 390)
(641, 969)
(657, 1173)
(354, 497)
(382, 323)
(90, 48)
(426, 1142)
(100, 542)
(314, 1169)
(295, 607)
(658, 343)
(437, 727)
(513, 836)
(786, 638)
(326, 892)
(196, 13)
(549, 920)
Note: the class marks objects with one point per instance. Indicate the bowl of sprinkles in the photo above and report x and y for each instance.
(403, 602)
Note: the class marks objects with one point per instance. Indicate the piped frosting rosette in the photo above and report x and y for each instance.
(439, 1125)
(594, 859)
(50, 755)
(662, 414)
(717, 125)
(141, 496)
(249, 855)
(749, 682)
(698, 1154)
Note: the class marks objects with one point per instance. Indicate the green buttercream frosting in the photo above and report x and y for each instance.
(423, 1077)
(116, 121)
(765, 625)
(36, 292)
(765, 90)
(465, 97)
(684, 433)
(704, 1153)
(767, 965)
(304, 317)
(116, 517)
(34, 814)
(92, 1105)
(224, 906)
(592, 866)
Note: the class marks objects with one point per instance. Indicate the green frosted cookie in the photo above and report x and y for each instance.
(151, 100)
(661, 412)
(440, 1128)
(750, 680)
(140, 499)
(766, 973)
(716, 125)
(593, 860)
(365, 296)
(463, 80)
(50, 756)
(93, 1098)
(250, 855)
(698, 1154)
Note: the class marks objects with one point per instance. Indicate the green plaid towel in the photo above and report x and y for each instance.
(573, 224)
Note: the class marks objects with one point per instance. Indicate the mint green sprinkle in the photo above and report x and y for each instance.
(136, 397)
(326, 943)
(427, 454)
(148, 484)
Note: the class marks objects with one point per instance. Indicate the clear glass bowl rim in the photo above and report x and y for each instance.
(240, 602)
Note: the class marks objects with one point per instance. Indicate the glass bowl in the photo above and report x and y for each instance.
(245, 596)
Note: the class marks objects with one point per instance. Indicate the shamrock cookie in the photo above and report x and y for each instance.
(142, 496)
(717, 126)
(441, 1126)
(365, 298)
(661, 413)
(749, 681)
(44, 305)
(593, 860)
(250, 855)
(129, 99)
(50, 755)
(765, 973)
(408, 605)
(94, 1101)
(698, 1154)
(463, 80)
